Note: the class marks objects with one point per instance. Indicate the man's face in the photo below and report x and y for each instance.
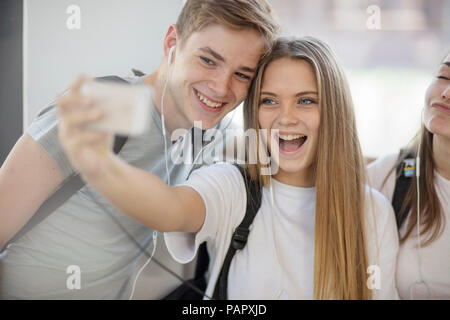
(211, 73)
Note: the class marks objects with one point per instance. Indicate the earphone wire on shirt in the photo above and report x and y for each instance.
(138, 245)
(419, 245)
(163, 125)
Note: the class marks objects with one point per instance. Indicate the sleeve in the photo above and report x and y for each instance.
(44, 130)
(384, 247)
(223, 192)
(377, 172)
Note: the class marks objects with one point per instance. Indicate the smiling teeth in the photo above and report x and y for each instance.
(290, 136)
(209, 103)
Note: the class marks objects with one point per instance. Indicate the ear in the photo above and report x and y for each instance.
(170, 39)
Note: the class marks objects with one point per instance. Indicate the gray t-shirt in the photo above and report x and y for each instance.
(80, 233)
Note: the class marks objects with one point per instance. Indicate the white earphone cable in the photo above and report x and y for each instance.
(419, 240)
(155, 233)
(155, 237)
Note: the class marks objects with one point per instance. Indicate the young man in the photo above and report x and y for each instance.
(217, 46)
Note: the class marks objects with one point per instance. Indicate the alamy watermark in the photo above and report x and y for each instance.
(374, 280)
(374, 20)
(230, 145)
(73, 22)
(73, 281)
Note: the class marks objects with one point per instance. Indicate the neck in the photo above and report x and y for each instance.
(303, 178)
(441, 155)
(172, 118)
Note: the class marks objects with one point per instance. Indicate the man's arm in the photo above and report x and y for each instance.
(27, 177)
(145, 197)
(135, 192)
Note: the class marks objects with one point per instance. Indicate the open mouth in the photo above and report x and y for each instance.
(207, 103)
(290, 143)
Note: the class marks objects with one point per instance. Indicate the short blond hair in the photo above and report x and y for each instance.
(235, 14)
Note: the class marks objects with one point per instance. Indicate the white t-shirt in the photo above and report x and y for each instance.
(257, 271)
(435, 258)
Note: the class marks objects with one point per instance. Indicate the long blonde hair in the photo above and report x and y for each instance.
(340, 254)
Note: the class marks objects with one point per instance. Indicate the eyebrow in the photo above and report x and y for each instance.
(298, 94)
(222, 59)
(447, 63)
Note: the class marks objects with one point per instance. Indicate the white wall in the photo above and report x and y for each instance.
(114, 36)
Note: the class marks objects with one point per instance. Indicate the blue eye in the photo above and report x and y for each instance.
(207, 61)
(306, 101)
(267, 101)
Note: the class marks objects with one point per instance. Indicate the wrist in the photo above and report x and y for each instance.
(106, 168)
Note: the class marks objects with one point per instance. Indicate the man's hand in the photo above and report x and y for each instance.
(88, 150)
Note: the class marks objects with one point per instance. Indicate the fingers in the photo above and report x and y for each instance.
(73, 97)
(70, 126)
(78, 83)
(82, 118)
(76, 110)
(84, 147)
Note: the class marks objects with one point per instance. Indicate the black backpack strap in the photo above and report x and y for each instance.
(68, 188)
(240, 235)
(202, 264)
(185, 291)
(405, 173)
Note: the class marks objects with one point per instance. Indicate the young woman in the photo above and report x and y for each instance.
(423, 270)
(319, 233)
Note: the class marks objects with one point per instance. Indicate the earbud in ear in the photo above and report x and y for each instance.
(169, 60)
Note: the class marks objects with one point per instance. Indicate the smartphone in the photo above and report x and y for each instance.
(126, 107)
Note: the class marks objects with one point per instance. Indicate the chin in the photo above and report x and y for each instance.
(208, 124)
(440, 126)
(293, 168)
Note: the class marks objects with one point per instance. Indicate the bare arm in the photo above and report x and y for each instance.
(146, 198)
(27, 177)
(135, 192)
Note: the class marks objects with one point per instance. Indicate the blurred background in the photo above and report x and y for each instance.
(389, 50)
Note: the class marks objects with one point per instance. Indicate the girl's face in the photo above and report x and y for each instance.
(437, 102)
(289, 103)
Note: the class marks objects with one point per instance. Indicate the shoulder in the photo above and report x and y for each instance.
(381, 174)
(379, 211)
(119, 79)
(383, 164)
(218, 184)
(376, 201)
(220, 172)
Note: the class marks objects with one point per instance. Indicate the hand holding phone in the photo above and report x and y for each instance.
(126, 108)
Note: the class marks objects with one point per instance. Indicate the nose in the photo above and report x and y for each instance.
(221, 83)
(287, 115)
(446, 93)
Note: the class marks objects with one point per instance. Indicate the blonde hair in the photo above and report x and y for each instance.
(235, 14)
(340, 254)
